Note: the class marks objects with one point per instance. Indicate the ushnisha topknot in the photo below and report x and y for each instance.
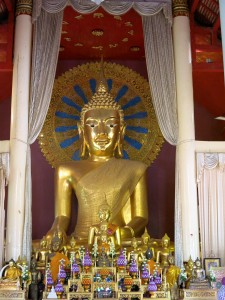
(102, 99)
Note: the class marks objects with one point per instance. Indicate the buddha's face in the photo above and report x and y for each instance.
(101, 131)
(104, 214)
(145, 240)
(165, 243)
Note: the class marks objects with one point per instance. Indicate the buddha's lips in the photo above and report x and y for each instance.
(102, 141)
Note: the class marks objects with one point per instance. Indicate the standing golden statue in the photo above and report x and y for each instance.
(101, 177)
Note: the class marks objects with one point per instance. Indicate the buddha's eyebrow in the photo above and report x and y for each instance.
(112, 118)
(90, 119)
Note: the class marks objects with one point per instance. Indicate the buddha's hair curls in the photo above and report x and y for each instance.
(102, 99)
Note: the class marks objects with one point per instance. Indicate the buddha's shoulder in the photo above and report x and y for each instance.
(73, 164)
(132, 163)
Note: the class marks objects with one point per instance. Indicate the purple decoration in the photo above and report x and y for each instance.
(145, 273)
(223, 281)
(87, 260)
(75, 268)
(62, 273)
(133, 267)
(152, 287)
(121, 261)
(221, 291)
(49, 279)
(157, 280)
(59, 287)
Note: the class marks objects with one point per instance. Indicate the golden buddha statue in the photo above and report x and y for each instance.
(101, 177)
(134, 252)
(12, 271)
(189, 270)
(105, 233)
(72, 249)
(147, 245)
(173, 272)
(163, 252)
(42, 253)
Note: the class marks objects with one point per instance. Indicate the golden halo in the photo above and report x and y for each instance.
(59, 139)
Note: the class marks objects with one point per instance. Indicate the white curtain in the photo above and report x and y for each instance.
(157, 20)
(161, 74)
(44, 62)
(211, 193)
(4, 177)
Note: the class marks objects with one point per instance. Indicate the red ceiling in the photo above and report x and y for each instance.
(90, 36)
(99, 33)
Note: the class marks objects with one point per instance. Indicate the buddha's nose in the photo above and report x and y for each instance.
(102, 129)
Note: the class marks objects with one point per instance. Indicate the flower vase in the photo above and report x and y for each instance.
(86, 287)
(128, 281)
(49, 287)
(59, 295)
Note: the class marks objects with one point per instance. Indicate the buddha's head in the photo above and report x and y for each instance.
(12, 263)
(101, 128)
(56, 244)
(165, 241)
(72, 242)
(104, 212)
(190, 263)
(43, 243)
(145, 237)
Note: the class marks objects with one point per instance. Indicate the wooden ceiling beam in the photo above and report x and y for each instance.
(8, 4)
(194, 6)
(216, 24)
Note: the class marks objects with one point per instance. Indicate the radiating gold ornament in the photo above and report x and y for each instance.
(59, 139)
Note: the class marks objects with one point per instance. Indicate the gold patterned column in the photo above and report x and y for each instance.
(19, 128)
(180, 8)
(24, 7)
(186, 138)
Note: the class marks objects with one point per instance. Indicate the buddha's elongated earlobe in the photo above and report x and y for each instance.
(120, 141)
(82, 140)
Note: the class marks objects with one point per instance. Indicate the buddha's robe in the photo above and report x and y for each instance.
(112, 182)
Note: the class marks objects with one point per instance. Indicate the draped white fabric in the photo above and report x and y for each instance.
(161, 74)
(157, 20)
(145, 8)
(211, 193)
(4, 177)
(44, 62)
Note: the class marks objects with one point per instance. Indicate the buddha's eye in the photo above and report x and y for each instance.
(112, 125)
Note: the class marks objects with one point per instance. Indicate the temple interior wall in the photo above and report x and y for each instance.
(161, 174)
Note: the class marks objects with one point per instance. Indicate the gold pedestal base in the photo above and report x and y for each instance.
(10, 294)
(207, 294)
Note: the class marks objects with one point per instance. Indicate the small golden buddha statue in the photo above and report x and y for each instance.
(163, 252)
(134, 252)
(102, 175)
(173, 271)
(72, 249)
(105, 233)
(42, 253)
(12, 272)
(189, 270)
(147, 246)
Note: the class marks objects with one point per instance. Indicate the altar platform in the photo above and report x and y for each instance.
(200, 294)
